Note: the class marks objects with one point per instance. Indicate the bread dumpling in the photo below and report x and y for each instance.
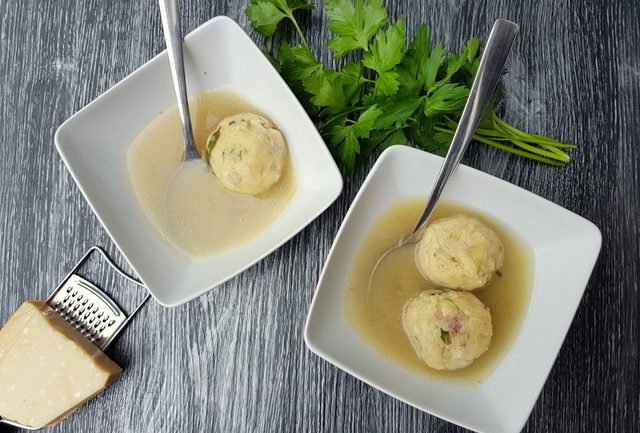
(459, 252)
(448, 329)
(247, 153)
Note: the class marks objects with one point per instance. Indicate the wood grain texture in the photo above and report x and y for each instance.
(234, 360)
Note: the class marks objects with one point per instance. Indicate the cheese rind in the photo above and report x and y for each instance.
(47, 368)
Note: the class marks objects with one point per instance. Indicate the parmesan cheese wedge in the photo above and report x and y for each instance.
(47, 368)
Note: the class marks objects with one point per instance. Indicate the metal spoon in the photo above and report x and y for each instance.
(173, 38)
(493, 60)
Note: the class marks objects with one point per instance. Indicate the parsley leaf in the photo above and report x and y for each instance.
(445, 336)
(297, 62)
(354, 23)
(466, 61)
(431, 66)
(353, 81)
(397, 137)
(294, 64)
(335, 90)
(438, 143)
(265, 15)
(327, 89)
(387, 49)
(413, 67)
(365, 122)
(448, 98)
(345, 136)
(387, 83)
(397, 110)
(472, 48)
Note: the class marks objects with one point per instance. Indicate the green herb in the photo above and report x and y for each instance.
(499, 274)
(397, 92)
(444, 335)
(354, 24)
(213, 139)
(265, 15)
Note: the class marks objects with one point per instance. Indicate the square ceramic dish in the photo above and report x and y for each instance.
(93, 142)
(565, 247)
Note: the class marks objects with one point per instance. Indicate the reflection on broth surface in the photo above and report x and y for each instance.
(185, 202)
(375, 311)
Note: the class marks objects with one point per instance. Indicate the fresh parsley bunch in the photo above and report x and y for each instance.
(399, 92)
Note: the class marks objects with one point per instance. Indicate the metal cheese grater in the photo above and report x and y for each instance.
(89, 309)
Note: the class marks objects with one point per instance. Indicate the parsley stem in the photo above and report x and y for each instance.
(297, 27)
(498, 145)
(491, 133)
(519, 152)
(563, 157)
(341, 114)
(529, 137)
(553, 149)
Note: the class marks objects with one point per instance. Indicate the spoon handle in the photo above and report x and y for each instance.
(489, 72)
(173, 38)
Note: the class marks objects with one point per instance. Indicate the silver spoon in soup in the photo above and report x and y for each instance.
(494, 57)
(173, 37)
(246, 151)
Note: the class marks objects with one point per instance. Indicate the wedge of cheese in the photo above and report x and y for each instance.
(47, 368)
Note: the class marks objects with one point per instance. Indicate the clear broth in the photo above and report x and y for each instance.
(185, 202)
(375, 312)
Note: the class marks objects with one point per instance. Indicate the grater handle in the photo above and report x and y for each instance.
(115, 267)
(98, 250)
(111, 263)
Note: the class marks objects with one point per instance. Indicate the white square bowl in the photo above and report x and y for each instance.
(92, 144)
(565, 247)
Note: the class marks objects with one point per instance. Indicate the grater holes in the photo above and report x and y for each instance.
(83, 308)
(83, 314)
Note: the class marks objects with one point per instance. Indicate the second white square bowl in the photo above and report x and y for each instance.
(565, 247)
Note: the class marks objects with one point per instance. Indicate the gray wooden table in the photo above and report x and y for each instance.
(234, 360)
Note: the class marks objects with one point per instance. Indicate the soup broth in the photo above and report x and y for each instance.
(185, 202)
(374, 309)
